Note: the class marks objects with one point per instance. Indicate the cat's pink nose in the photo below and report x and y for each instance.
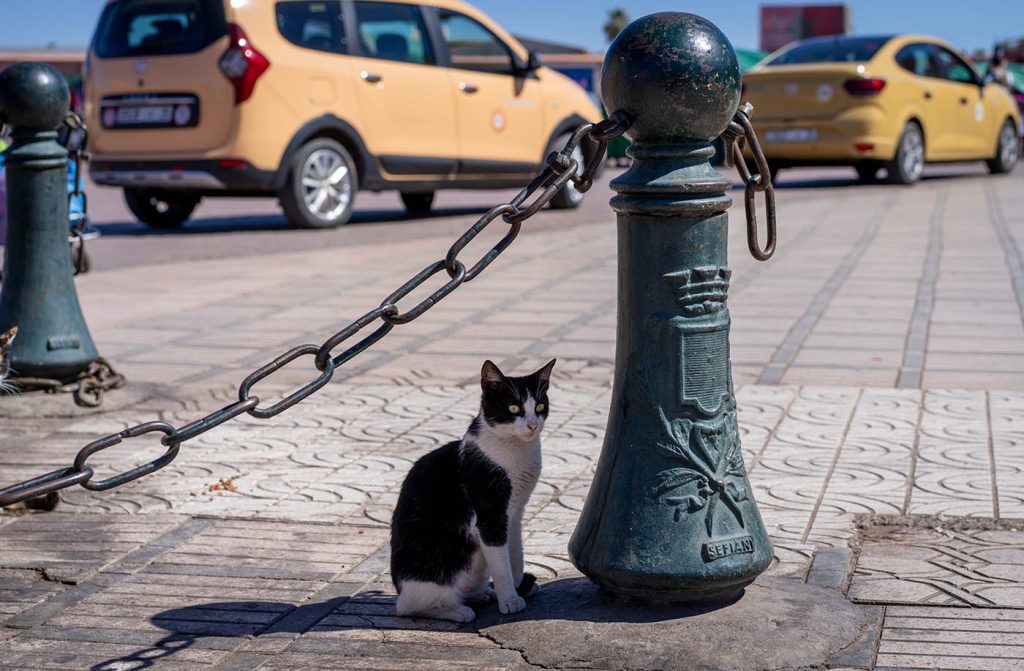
(532, 426)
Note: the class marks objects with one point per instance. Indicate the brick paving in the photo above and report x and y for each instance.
(879, 363)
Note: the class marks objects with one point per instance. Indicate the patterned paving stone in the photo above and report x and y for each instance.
(951, 638)
(981, 569)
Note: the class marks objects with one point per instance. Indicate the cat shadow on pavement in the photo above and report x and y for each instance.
(217, 626)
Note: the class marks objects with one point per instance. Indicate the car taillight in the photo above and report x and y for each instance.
(242, 64)
(864, 87)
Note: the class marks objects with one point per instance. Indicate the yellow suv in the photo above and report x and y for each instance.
(312, 100)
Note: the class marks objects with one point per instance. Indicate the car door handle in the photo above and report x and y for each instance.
(370, 77)
(467, 88)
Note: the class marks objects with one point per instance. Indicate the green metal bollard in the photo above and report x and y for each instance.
(38, 294)
(671, 517)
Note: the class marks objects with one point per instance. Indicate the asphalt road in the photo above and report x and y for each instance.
(231, 227)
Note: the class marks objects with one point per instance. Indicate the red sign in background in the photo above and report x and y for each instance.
(782, 24)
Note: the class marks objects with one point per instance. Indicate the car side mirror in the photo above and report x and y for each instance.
(533, 62)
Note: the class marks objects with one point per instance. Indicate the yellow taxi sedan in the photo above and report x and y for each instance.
(892, 102)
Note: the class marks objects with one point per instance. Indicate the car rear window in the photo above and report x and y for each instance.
(151, 27)
(831, 50)
(312, 25)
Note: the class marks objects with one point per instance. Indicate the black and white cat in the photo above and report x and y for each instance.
(458, 523)
(6, 340)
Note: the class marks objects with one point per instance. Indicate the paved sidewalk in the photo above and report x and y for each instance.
(880, 385)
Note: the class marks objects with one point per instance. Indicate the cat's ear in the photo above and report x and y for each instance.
(7, 338)
(491, 376)
(544, 377)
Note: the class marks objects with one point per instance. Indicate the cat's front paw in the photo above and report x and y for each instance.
(462, 614)
(511, 604)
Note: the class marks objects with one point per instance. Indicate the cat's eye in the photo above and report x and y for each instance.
(540, 407)
(514, 409)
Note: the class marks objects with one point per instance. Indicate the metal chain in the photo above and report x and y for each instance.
(79, 258)
(741, 131)
(87, 387)
(559, 169)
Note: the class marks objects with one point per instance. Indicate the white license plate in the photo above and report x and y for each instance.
(148, 114)
(791, 135)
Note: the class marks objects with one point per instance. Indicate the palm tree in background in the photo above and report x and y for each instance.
(618, 19)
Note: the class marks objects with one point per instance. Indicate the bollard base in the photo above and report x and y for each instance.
(777, 623)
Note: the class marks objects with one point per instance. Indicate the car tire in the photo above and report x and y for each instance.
(908, 164)
(160, 209)
(1007, 150)
(418, 203)
(321, 186)
(867, 173)
(570, 197)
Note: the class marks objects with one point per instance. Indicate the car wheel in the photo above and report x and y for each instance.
(908, 164)
(1007, 150)
(160, 209)
(570, 197)
(866, 173)
(418, 203)
(321, 186)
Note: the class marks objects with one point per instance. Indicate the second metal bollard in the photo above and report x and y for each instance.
(670, 516)
(38, 294)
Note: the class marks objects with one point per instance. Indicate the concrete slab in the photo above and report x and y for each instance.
(570, 624)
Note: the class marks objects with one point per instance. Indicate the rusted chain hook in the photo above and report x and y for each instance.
(740, 132)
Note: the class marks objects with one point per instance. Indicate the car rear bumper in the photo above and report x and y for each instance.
(857, 135)
(206, 176)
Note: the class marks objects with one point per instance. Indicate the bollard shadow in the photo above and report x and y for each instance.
(213, 626)
(277, 222)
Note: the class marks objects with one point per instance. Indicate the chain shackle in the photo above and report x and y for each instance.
(740, 132)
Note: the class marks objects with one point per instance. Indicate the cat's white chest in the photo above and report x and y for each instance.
(521, 462)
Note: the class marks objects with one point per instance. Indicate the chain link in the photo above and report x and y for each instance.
(739, 132)
(558, 171)
(77, 151)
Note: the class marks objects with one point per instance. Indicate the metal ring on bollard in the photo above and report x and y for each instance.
(750, 196)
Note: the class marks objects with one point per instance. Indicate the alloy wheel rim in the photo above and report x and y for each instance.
(326, 184)
(1008, 144)
(913, 154)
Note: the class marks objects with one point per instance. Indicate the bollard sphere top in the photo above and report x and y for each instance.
(675, 75)
(33, 96)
